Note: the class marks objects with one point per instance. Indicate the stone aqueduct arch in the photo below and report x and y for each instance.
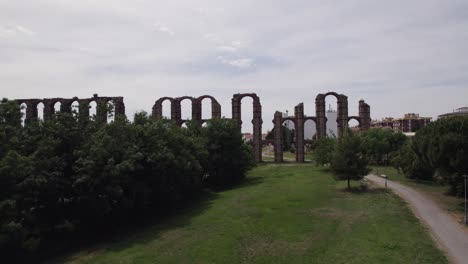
(176, 115)
(176, 108)
(66, 107)
(256, 121)
(320, 120)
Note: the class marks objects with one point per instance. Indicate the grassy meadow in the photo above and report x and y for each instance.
(288, 213)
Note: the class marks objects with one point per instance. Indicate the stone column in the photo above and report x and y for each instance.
(299, 116)
(364, 115)
(157, 110)
(236, 110)
(49, 109)
(321, 125)
(196, 110)
(31, 111)
(342, 114)
(257, 127)
(176, 115)
(119, 107)
(83, 112)
(215, 109)
(278, 141)
(101, 109)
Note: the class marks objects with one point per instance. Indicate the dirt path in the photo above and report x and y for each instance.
(449, 234)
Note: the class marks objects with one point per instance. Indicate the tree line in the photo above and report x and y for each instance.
(69, 175)
(438, 152)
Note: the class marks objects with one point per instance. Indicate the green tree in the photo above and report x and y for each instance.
(229, 157)
(349, 160)
(380, 143)
(323, 150)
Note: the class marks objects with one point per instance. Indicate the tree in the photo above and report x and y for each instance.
(229, 157)
(380, 143)
(349, 160)
(323, 151)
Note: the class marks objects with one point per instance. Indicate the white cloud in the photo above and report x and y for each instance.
(25, 30)
(239, 63)
(164, 29)
(233, 46)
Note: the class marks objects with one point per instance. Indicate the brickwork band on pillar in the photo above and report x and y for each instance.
(299, 119)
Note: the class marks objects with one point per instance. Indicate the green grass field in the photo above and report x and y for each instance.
(435, 191)
(282, 214)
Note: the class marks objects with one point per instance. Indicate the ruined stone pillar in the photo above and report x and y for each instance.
(83, 112)
(236, 110)
(364, 115)
(157, 110)
(119, 107)
(257, 129)
(299, 116)
(31, 112)
(342, 114)
(215, 109)
(176, 114)
(196, 110)
(278, 141)
(101, 110)
(49, 109)
(321, 125)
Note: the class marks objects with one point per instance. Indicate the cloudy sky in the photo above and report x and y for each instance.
(400, 56)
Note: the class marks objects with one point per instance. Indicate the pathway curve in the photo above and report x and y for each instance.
(449, 235)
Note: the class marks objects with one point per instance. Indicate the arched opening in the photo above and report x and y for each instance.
(247, 117)
(331, 113)
(353, 124)
(186, 109)
(40, 111)
(75, 108)
(206, 108)
(110, 111)
(92, 109)
(310, 129)
(166, 109)
(289, 140)
(23, 108)
(57, 107)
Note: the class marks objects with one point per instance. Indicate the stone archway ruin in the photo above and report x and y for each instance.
(66, 107)
(256, 121)
(176, 108)
(320, 120)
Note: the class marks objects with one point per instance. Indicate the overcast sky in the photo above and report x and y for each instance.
(399, 56)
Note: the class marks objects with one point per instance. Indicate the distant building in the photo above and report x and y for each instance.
(409, 123)
(386, 122)
(332, 125)
(462, 111)
(248, 137)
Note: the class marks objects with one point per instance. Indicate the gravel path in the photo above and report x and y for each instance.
(449, 235)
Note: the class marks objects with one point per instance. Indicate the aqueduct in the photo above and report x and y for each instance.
(299, 118)
(66, 107)
(320, 121)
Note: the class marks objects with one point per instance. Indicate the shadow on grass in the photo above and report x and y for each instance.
(360, 190)
(147, 228)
